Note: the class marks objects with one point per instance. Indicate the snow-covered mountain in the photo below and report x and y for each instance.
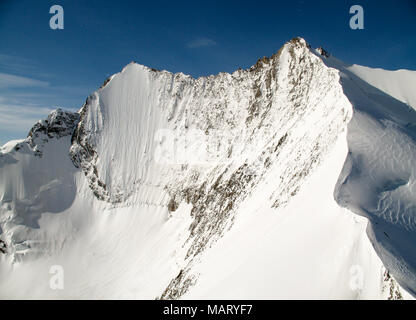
(291, 179)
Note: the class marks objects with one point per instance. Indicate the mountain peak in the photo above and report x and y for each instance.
(159, 175)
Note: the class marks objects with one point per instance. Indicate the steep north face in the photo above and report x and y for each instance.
(162, 172)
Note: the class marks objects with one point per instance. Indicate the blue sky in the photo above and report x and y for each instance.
(41, 68)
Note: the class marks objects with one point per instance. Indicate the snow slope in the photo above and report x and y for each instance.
(378, 178)
(400, 84)
(165, 186)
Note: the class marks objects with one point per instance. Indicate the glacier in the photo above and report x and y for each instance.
(292, 179)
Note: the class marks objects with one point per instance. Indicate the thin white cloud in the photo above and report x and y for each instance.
(15, 117)
(18, 109)
(201, 42)
(12, 81)
(25, 99)
(17, 65)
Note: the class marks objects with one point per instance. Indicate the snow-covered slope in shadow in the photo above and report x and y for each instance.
(378, 178)
(36, 176)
